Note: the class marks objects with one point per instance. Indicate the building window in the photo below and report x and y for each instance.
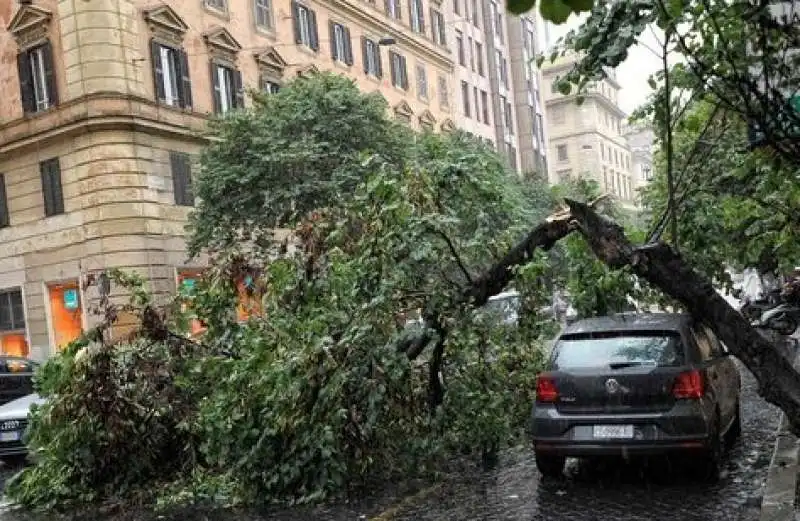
(37, 79)
(181, 167)
(465, 98)
(438, 28)
(540, 125)
(263, 10)
(477, 103)
(12, 323)
(399, 70)
(561, 152)
(485, 106)
(220, 5)
(498, 21)
(564, 175)
(4, 214)
(372, 58)
(457, 7)
(228, 88)
(444, 95)
(52, 193)
(479, 53)
(508, 116)
(422, 82)
(503, 65)
(647, 172)
(475, 14)
(269, 85)
(393, 9)
(471, 53)
(66, 313)
(173, 86)
(416, 16)
(341, 47)
(512, 155)
(460, 47)
(305, 26)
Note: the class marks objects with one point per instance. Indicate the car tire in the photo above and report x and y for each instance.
(550, 466)
(711, 461)
(735, 430)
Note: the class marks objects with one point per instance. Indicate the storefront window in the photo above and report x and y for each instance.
(66, 313)
(13, 337)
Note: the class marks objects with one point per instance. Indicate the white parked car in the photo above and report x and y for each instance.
(13, 422)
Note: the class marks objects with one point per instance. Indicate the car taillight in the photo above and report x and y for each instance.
(546, 391)
(689, 385)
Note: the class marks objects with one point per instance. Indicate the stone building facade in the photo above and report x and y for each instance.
(104, 111)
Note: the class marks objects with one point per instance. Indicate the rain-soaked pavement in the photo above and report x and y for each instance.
(515, 492)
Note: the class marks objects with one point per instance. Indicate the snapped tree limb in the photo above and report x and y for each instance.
(779, 382)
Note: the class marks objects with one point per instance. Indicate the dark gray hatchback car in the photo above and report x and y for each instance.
(636, 385)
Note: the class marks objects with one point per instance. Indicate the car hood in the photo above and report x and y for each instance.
(20, 407)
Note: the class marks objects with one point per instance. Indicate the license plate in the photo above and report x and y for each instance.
(9, 436)
(612, 431)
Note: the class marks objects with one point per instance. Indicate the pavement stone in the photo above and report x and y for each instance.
(616, 491)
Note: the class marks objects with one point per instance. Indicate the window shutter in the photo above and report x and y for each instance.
(296, 22)
(364, 54)
(26, 82)
(411, 14)
(217, 94)
(332, 29)
(181, 178)
(348, 47)
(185, 92)
(393, 62)
(421, 10)
(238, 87)
(158, 75)
(404, 72)
(50, 73)
(312, 18)
(433, 25)
(378, 60)
(4, 220)
(388, 5)
(50, 172)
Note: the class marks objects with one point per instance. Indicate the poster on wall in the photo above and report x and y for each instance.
(71, 301)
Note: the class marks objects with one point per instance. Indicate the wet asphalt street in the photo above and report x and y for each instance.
(515, 491)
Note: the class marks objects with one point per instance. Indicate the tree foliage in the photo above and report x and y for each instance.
(314, 394)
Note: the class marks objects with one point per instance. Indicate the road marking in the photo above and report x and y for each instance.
(389, 513)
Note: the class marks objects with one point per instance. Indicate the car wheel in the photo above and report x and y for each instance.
(711, 462)
(735, 430)
(550, 466)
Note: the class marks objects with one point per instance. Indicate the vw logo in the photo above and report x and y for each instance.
(612, 386)
(10, 425)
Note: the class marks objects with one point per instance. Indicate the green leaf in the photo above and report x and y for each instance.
(520, 6)
(555, 11)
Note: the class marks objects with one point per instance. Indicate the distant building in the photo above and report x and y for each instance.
(585, 138)
(641, 142)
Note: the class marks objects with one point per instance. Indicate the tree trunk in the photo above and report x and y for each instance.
(662, 267)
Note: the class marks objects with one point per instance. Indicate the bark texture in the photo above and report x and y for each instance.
(663, 267)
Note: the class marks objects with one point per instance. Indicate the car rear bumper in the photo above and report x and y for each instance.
(683, 428)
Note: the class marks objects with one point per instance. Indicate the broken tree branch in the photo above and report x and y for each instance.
(779, 382)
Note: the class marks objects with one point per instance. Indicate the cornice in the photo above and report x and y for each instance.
(426, 49)
(100, 111)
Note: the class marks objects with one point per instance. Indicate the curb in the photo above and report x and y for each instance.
(781, 484)
(780, 487)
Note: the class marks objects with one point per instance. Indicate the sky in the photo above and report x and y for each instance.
(633, 73)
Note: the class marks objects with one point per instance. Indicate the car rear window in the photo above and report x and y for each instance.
(609, 349)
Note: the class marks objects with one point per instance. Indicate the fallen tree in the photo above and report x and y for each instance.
(664, 268)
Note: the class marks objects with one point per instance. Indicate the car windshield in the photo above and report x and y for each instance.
(618, 350)
(502, 310)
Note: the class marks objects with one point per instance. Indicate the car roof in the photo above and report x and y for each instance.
(630, 322)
